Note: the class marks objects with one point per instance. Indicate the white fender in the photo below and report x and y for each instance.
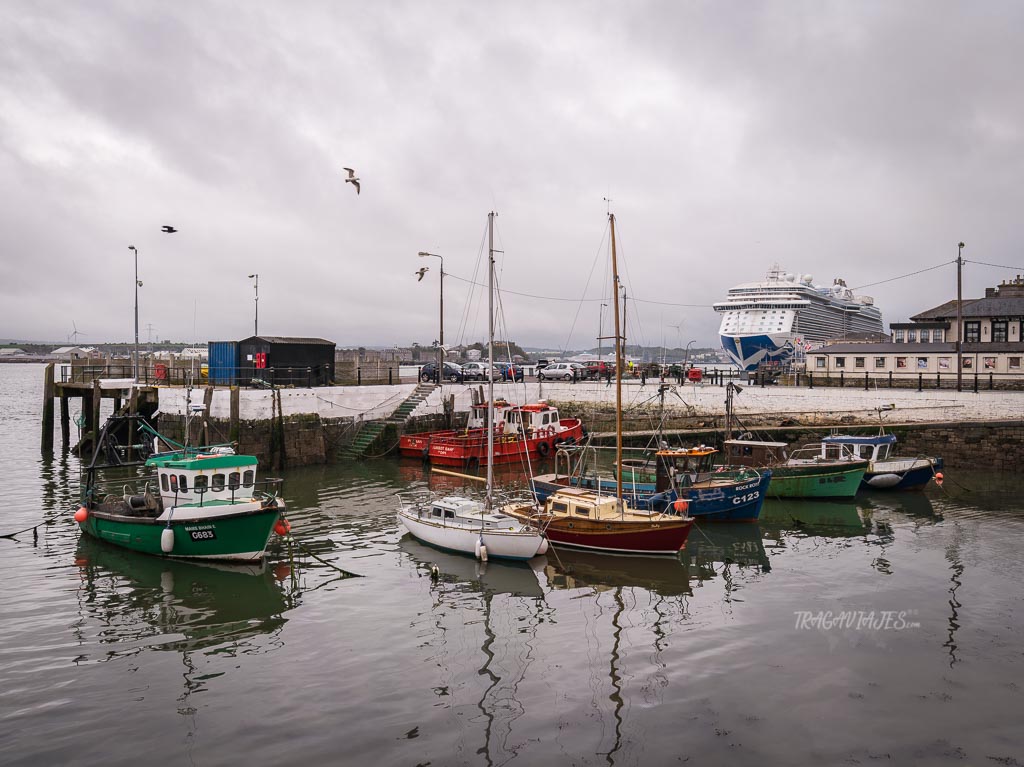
(885, 480)
(167, 540)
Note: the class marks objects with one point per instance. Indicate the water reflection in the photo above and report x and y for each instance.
(500, 592)
(139, 602)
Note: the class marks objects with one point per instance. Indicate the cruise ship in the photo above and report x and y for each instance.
(769, 321)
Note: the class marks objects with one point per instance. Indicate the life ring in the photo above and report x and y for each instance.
(543, 449)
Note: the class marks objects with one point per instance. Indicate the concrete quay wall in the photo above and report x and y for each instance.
(304, 426)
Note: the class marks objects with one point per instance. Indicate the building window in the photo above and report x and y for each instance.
(879, 362)
(858, 362)
(968, 363)
(901, 362)
(999, 330)
(840, 362)
(1013, 363)
(922, 363)
(898, 335)
(819, 362)
(972, 332)
(938, 336)
(944, 363)
(924, 336)
(990, 363)
(911, 336)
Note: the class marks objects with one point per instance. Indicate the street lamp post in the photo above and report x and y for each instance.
(256, 321)
(137, 284)
(440, 344)
(959, 317)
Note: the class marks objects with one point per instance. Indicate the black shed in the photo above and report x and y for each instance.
(282, 361)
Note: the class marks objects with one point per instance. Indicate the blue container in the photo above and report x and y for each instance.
(223, 362)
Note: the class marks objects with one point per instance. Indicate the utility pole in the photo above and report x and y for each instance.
(959, 317)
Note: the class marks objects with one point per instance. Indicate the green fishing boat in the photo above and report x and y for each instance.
(194, 503)
(804, 473)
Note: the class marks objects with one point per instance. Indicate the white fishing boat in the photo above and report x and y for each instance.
(457, 523)
(771, 320)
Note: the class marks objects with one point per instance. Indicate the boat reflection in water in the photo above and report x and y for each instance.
(461, 574)
(843, 518)
(143, 602)
(577, 569)
(509, 599)
(718, 550)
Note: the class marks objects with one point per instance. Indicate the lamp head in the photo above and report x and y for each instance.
(961, 244)
(132, 247)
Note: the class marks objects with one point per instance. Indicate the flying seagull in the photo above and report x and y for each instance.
(168, 229)
(352, 179)
(421, 272)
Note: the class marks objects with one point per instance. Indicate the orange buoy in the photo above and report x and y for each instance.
(81, 515)
(282, 527)
(938, 476)
(681, 505)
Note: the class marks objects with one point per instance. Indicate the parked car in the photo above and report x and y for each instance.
(452, 372)
(509, 372)
(599, 369)
(566, 371)
(477, 371)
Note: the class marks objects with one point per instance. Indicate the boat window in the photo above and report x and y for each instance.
(163, 482)
(183, 482)
(233, 480)
(865, 451)
(449, 514)
(559, 507)
(200, 484)
(435, 512)
(581, 511)
(218, 482)
(174, 483)
(833, 452)
(883, 452)
(248, 477)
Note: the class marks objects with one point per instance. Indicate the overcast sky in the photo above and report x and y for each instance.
(852, 139)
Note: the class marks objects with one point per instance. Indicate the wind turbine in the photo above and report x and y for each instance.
(73, 337)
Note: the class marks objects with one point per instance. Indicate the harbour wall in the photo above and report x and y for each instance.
(305, 426)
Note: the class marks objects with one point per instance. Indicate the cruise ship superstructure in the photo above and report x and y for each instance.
(766, 321)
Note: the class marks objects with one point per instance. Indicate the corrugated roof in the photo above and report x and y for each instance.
(288, 340)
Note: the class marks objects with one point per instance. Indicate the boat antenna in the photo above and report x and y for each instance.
(618, 370)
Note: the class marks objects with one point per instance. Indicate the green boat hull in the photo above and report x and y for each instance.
(236, 537)
(816, 481)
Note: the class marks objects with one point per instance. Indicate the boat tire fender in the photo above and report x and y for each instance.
(543, 449)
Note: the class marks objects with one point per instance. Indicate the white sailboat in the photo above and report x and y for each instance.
(457, 523)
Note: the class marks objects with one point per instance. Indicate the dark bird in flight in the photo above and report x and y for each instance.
(168, 229)
(352, 179)
(421, 272)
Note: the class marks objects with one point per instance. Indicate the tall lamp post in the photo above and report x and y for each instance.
(137, 285)
(256, 321)
(959, 317)
(440, 343)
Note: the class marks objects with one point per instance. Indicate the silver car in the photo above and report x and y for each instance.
(566, 371)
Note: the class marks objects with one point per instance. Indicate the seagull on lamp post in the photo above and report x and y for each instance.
(352, 179)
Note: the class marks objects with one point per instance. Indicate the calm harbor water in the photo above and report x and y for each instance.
(885, 630)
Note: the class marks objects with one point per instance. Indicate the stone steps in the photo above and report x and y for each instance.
(371, 430)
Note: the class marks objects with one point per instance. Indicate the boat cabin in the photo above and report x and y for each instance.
(536, 419)
(502, 409)
(682, 466)
(464, 512)
(741, 452)
(202, 478)
(585, 504)
(837, 447)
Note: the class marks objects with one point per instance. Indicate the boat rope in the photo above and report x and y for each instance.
(35, 533)
(291, 539)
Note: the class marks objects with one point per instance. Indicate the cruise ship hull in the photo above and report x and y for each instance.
(750, 351)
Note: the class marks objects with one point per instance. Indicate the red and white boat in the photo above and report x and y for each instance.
(519, 430)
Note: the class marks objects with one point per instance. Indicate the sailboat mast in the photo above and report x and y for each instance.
(490, 358)
(618, 369)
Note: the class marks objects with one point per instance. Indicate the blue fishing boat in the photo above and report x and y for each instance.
(658, 482)
(886, 471)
